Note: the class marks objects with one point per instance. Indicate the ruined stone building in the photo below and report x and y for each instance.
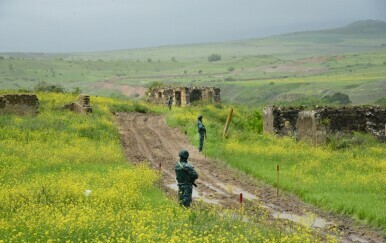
(82, 106)
(183, 96)
(19, 104)
(315, 125)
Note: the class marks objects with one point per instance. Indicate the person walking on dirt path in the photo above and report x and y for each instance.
(170, 103)
(186, 177)
(202, 132)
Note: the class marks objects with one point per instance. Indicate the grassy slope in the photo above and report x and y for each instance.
(347, 57)
(349, 181)
(49, 160)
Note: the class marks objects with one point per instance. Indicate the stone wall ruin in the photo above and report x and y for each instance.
(19, 104)
(280, 120)
(183, 96)
(82, 106)
(317, 124)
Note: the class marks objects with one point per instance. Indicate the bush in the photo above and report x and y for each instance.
(45, 87)
(214, 57)
(230, 69)
(338, 98)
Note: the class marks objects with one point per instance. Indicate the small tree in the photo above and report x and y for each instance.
(230, 69)
(199, 71)
(214, 57)
(338, 98)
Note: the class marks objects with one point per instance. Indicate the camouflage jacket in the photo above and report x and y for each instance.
(185, 173)
(200, 127)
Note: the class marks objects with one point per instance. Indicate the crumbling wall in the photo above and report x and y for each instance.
(19, 104)
(183, 96)
(281, 120)
(309, 127)
(353, 119)
(376, 122)
(268, 120)
(315, 125)
(82, 106)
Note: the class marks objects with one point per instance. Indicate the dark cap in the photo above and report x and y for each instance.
(184, 154)
(199, 116)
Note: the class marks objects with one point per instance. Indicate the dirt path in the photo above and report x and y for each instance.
(147, 137)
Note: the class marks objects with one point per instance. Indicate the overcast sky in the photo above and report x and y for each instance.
(94, 25)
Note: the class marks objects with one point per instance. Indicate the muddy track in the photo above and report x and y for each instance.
(146, 137)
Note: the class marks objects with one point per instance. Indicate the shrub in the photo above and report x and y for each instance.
(45, 87)
(214, 57)
(230, 69)
(338, 98)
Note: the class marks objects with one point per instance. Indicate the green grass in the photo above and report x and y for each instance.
(47, 162)
(349, 181)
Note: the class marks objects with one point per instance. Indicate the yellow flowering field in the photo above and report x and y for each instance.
(64, 178)
(350, 180)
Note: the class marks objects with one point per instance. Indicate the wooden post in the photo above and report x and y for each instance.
(277, 180)
(160, 175)
(241, 199)
(227, 122)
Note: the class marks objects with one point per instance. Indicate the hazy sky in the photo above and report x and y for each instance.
(92, 25)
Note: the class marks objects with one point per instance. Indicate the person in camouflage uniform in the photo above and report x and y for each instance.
(186, 176)
(170, 102)
(201, 131)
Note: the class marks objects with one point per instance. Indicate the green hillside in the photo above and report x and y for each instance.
(297, 68)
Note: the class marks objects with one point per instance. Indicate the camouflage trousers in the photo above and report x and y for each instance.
(202, 135)
(185, 194)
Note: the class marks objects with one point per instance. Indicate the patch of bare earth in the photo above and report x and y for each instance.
(127, 90)
(146, 137)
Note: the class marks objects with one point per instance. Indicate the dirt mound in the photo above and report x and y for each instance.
(147, 137)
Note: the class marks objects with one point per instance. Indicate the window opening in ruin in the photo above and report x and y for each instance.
(159, 95)
(177, 97)
(195, 95)
(210, 95)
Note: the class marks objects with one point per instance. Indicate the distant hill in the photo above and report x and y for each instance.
(362, 27)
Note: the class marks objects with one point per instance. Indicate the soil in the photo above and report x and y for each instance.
(127, 90)
(146, 137)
